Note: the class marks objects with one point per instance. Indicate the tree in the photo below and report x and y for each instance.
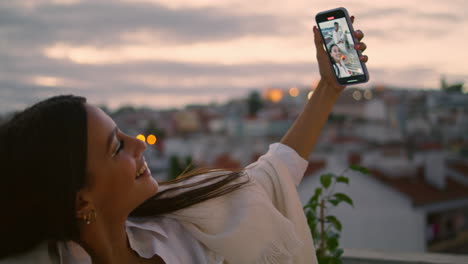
(125, 109)
(455, 87)
(254, 103)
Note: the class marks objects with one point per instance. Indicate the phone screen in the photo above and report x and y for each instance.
(339, 43)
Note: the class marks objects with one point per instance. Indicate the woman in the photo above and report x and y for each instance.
(339, 65)
(76, 189)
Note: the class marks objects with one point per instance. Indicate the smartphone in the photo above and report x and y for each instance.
(337, 33)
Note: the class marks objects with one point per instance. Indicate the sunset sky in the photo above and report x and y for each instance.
(165, 53)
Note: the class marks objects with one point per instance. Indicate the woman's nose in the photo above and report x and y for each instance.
(140, 146)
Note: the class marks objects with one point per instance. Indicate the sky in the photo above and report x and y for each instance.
(168, 53)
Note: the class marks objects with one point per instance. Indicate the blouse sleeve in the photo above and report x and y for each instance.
(262, 222)
(295, 164)
(280, 160)
(278, 173)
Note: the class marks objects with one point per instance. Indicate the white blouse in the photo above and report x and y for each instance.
(192, 237)
(343, 71)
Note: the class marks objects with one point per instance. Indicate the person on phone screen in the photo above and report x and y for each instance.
(77, 190)
(339, 65)
(339, 37)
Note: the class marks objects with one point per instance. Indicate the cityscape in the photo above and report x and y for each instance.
(414, 142)
(211, 84)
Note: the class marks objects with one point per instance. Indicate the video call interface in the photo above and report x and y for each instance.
(340, 47)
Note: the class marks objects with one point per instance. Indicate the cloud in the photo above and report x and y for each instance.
(101, 23)
(412, 14)
(239, 51)
(400, 19)
(193, 51)
(375, 13)
(166, 84)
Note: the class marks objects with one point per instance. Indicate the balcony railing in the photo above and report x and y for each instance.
(363, 256)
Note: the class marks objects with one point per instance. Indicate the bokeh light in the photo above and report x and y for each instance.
(357, 95)
(141, 137)
(368, 94)
(293, 92)
(151, 139)
(274, 95)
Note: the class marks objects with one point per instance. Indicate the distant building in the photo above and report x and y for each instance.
(397, 206)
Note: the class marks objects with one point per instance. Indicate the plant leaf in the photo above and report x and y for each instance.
(335, 260)
(361, 169)
(332, 244)
(314, 199)
(343, 197)
(342, 179)
(312, 205)
(310, 214)
(333, 220)
(318, 192)
(338, 252)
(323, 259)
(326, 180)
(335, 202)
(331, 233)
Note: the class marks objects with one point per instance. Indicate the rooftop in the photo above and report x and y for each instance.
(364, 256)
(419, 191)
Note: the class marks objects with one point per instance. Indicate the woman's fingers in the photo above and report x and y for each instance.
(360, 46)
(317, 38)
(318, 41)
(358, 34)
(363, 58)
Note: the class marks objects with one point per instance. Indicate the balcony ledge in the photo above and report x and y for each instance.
(367, 256)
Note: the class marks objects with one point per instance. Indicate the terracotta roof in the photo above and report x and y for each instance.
(225, 161)
(344, 139)
(419, 191)
(430, 146)
(459, 166)
(314, 166)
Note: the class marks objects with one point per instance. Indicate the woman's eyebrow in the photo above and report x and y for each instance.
(110, 138)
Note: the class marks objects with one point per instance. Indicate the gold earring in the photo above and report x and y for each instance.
(90, 217)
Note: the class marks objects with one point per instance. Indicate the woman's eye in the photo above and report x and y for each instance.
(119, 148)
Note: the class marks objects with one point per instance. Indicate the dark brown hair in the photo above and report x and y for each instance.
(188, 190)
(43, 165)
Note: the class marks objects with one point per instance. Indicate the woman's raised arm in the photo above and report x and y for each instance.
(305, 131)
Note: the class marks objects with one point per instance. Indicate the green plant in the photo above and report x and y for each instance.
(177, 166)
(326, 228)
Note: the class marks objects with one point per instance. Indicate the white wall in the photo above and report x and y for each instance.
(381, 219)
(375, 110)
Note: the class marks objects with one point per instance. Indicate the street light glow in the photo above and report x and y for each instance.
(141, 137)
(151, 139)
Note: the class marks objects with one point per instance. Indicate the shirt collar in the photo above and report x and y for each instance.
(71, 252)
(148, 224)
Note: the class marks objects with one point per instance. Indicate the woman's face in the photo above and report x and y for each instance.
(336, 54)
(118, 178)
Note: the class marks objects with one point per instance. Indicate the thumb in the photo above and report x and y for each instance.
(318, 42)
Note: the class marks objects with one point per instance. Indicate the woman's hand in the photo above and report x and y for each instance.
(326, 71)
(305, 131)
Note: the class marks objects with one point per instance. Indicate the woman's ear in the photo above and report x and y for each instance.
(83, 203)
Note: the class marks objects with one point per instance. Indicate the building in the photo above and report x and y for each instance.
(403, 205)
